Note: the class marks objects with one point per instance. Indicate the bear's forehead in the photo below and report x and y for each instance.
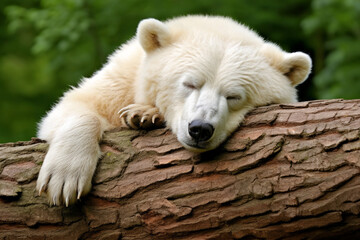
(196, 27)
(221, 60)
(214, 49)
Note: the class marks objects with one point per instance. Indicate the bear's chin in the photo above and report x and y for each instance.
(198, 148)
(203, 146)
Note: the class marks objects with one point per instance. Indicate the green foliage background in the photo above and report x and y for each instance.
(48, 45)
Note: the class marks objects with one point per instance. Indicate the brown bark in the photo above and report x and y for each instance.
(289, 172)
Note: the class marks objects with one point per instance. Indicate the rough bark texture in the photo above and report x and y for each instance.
(289, 172)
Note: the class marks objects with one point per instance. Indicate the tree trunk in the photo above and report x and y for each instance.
(289, 172)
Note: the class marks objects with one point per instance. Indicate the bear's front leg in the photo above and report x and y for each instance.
(70, 162)
(138, 116)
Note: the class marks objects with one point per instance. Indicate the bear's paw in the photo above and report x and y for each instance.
(66, 176)
(138, 116)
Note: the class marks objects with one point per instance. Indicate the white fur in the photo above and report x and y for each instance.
(188, 68)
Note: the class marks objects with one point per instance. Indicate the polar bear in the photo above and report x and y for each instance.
(198, 74)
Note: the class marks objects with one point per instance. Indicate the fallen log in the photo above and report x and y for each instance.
(289, 172)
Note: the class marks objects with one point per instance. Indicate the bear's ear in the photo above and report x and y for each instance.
(152, 34)
(295, 66)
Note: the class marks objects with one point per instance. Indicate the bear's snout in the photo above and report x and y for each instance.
(200, 131)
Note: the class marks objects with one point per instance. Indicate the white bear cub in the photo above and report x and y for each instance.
(199, 74)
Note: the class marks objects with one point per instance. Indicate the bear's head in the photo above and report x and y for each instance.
(205, 73)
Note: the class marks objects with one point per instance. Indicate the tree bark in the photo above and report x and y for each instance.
(289, 172)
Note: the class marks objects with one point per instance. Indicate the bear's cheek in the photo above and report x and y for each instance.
(235, 119)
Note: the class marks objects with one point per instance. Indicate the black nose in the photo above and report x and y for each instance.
(200, 131)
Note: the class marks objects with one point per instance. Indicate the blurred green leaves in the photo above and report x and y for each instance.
(335, 25)
(59, 23)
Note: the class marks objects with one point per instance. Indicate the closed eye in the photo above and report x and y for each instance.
(229, 98)
(235, 102)
(189, 85)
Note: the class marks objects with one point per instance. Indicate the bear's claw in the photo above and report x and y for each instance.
(137, 116)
